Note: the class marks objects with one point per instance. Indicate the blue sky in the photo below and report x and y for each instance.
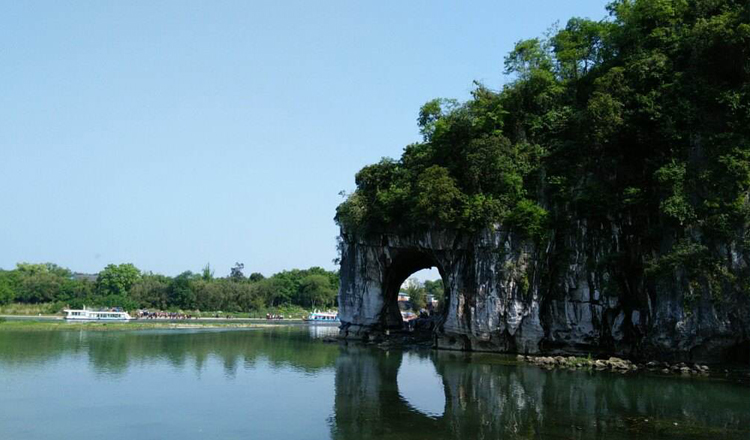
(171, 134)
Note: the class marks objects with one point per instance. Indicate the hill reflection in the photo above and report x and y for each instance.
(487, 398)
(419, 394)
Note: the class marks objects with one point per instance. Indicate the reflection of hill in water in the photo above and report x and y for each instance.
(469, 396)
(491, 400)
(114, 352)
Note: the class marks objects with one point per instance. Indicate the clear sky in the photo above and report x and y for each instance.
(171, 134)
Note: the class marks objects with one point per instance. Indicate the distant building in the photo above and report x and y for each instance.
(84, 276)
(403, 297)
(432, 303)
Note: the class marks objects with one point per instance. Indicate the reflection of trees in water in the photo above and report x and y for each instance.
(483, 398)
(115, 352)
(490, 400)
(368, 404)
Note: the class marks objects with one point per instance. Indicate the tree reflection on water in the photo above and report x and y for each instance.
(489, 396)
(391, 394)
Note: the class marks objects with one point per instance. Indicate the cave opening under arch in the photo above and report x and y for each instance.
(404, 266)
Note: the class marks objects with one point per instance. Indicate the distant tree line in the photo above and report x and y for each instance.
(126, 286)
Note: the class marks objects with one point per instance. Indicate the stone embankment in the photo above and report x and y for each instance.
(614, 364)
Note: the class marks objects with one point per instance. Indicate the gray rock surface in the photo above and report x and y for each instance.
(505, 293)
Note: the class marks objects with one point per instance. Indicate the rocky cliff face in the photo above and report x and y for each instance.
(505, 293)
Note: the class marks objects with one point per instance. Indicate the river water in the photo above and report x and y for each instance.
(286, 383)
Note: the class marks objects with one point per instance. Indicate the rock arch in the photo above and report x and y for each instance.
(482, 308)
(506, 293)
(403, 264)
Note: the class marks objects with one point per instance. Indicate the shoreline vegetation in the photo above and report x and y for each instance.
(46, 323)
(46, 288)
(50, 310)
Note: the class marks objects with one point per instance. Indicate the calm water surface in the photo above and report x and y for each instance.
(285, 383)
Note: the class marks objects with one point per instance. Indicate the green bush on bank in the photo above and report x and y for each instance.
(33, 289)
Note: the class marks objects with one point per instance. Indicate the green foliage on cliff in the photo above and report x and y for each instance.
(644, 116)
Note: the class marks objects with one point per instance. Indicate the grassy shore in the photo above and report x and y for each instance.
(55, 309)
(13, 325)
(28, 309)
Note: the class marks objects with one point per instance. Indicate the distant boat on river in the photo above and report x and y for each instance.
(322, 317)
(96, 315)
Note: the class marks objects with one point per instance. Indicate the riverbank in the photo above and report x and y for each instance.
(423, 340)
(732, 372)
(52, 323)
(614, 364)
(49, 309)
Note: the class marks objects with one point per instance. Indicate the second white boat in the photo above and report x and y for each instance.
(96, 315)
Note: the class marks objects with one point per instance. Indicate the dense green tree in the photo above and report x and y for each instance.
(78, 292)
(235, 272)
(38, 268)
(151, 291)
(117, 279)
(417, 294)
(268, 292)
(180, 291)
(36, 283)
(435, 288)
(316, 291)
(209, 295)
(7, 287)
(207, 273)
(256, 276)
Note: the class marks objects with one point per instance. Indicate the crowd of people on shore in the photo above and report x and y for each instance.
(158, 314)
(145, 314)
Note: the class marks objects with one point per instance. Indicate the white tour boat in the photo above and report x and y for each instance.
(96, 315)
(322, 317)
